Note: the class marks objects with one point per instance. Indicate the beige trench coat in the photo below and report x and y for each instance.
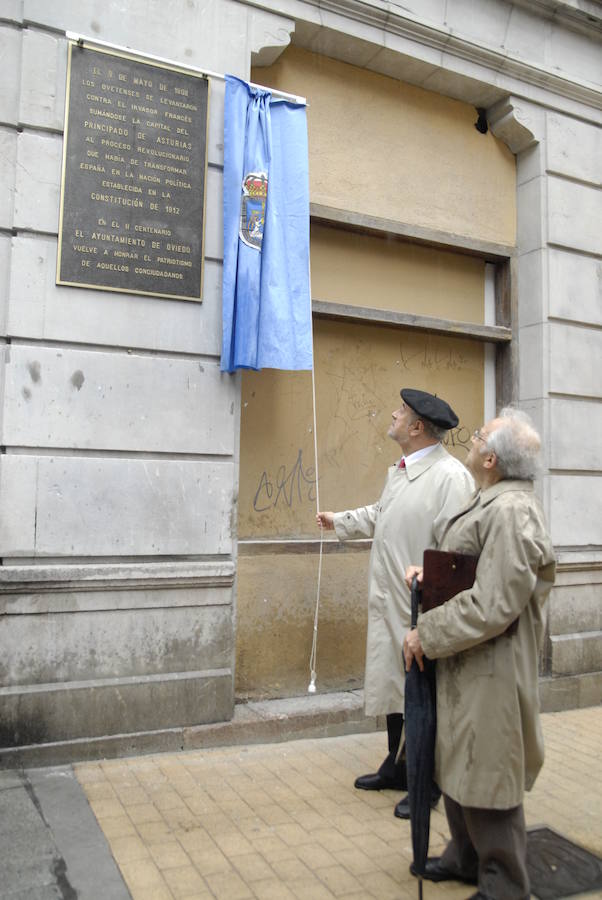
(410, 517)
(489, 742)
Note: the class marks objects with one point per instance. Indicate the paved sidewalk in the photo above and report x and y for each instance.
(284, 821)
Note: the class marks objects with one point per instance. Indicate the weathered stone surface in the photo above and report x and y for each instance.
(580, 54)
(574, 514)
(577, 429)
(531, 285)
(118, 401)
(576, 353)
(43, 80)
(65, 711)
(4, 281)
(10, 54)
(77, 506)
(575, 212)
(531, 222)
(12, 11)
(575, 653)
(37, 182)
(192, 35)
(570, 692)
(8, 157)
(79, 646)
(533, 343)
(574, 148)
(214, 227)
(39, 309)
(575, 286)
(575, 608)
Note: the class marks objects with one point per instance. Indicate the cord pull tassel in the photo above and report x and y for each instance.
(311, 689)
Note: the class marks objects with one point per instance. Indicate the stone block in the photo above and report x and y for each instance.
(214, 221)
(575, 608)
(574, 148)
(4, 281)
(574, 215)
(570, 692)
(532, 302)
(8, 159)
(577, 429)
(268, 36)
(215, 137)
(82, 646)
(332, 41)
(486, 22)
(62, 506)
(532, 342)
(18, 503)
(526, 36)
(530, 163)
(12, 11)
(579, 54)
(43, 80)
(37, 182)
(40, 309)
(83, 399)
(10, 54)
(576, 353)
(190, 37)
(575, 284)
(396, 60)
(67, 711)
(530, 215)
(463, 81)
(574, 510)
(572, 654)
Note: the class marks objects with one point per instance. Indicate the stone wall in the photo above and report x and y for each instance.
(118, 473)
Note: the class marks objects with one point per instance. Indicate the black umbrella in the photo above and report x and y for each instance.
(420, 726)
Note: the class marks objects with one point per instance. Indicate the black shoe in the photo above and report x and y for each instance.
(376, 782)
(479, 896)
(435, 871)
(402, 810)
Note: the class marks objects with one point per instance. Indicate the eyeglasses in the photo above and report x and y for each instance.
(477, 436)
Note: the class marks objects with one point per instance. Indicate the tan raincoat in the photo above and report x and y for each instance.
(410, 517)
(489, 742)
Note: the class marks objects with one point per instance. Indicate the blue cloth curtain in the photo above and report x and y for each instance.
(265, 294)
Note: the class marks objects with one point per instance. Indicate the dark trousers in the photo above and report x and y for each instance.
(394, 766)
(491, 845)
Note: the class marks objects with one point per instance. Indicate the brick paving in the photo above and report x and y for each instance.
(284, 822)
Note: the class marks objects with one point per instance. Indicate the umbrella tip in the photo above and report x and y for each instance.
(311, 689)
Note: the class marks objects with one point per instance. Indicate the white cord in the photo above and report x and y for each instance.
(314, 643)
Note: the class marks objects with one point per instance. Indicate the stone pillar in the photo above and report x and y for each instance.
(560, 346)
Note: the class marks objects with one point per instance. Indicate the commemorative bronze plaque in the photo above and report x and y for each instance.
(133, 181)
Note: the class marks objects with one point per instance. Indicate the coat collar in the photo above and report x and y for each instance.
(421, 465)
(503, 487)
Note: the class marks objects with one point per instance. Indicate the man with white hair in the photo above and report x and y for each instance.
(489, 746)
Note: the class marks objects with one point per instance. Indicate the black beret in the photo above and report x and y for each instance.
(427, 406)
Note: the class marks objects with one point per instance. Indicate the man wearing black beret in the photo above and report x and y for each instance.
(424, 489)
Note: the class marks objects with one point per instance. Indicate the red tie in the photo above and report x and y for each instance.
(402, 464)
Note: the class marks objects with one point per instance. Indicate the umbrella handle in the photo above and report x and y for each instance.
(415, 601)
